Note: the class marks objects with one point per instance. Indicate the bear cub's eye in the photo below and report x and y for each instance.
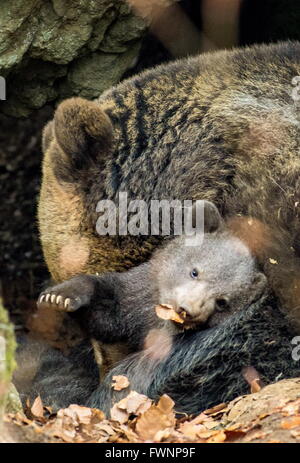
(194, 273)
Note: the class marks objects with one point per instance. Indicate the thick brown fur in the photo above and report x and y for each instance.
(221, 126)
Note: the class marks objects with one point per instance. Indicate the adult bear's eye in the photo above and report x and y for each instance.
(194, 273)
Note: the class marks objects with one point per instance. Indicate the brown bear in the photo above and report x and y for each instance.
(204, 283)
(221, 126)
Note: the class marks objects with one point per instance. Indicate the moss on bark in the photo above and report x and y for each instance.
(7, 356)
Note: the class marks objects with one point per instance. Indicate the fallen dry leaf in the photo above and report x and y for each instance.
(37, 408)
(252, 435)
(191, 430)
(217, 438)
(97, 416)
(120, 382)
(105, 427)
(17, 418)
(163, 434)
(83, 414)
(211, 424)
(292, 408)
(207, 434)
(117, 414)
(129, 433)
(255, 386)
(166, 404)
(291, 423)
(200, 418)
(157, 418)
(295, 433)
(167, 312)
(216, 409)
(133, 404)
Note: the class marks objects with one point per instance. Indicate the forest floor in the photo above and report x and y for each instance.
(271, 415)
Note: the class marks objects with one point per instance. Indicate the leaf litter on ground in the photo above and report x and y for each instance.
(257, 417)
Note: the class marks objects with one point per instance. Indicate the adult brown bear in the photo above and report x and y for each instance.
(222, 127)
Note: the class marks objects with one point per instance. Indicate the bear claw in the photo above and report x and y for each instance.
(68, 296)
(58, 302)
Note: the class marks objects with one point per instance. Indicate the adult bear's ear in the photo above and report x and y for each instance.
(47, 136)
(208, 215)
(83, 131)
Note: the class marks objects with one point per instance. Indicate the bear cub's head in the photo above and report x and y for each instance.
(208, 276)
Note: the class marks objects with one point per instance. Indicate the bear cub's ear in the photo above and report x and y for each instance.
(209, 216)
(83, 131)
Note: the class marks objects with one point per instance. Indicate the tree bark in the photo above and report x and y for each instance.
(7, 358)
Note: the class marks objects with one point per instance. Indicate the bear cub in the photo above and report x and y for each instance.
(208, 281)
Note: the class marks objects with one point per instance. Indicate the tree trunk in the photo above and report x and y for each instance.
(7, 358)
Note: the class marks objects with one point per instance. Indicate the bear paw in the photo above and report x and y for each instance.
(66, 297)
